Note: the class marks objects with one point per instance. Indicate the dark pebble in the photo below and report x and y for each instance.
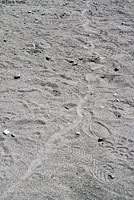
(62, 15)
(65, 4)
(116, 69)
(100, 140)
(12, 135)
(102, 76)
(16, 76)
(70, 61)
(47, 58)
(117, 114)
(80, 58)
(66, 107)
(74, 63)
(111, 176)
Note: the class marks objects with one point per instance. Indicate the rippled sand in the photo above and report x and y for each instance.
(70, 115)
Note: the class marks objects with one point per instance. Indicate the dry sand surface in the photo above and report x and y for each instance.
(68, 120)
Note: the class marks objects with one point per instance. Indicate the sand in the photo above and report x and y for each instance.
(66, 100)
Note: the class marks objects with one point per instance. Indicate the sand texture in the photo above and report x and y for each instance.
(66, 100)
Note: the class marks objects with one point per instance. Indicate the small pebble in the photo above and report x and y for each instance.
(116, 69)
(36, 20)
(70, 61)
(3, 124)
(118, 100)
(102, 76)
(6, 132)
(115, 94)
(111, 176)
(17, 76)
(100, 140)
(62, 15)
(66, 107)
(80, 58)
(90, 12)
(34, 10)
(78, 133)
(48, 58)
(117, 114)
(36, 44)
(65, 4)
(74, 63)
(12, 135)
(112, 106)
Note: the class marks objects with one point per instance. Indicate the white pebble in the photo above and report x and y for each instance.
(78, 133)
(6, 132)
